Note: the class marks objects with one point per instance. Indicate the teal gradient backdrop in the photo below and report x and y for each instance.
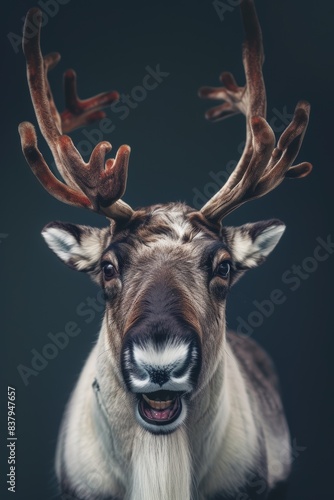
(176, 155)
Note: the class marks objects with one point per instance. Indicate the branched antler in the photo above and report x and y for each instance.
(97, 185)
(262, 166)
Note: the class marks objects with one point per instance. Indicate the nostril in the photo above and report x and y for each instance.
(189, 361)
(159, 376)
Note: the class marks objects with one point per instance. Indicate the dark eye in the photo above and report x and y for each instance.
(109, 270)
(223, 269)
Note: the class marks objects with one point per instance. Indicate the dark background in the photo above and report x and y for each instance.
(110, 43)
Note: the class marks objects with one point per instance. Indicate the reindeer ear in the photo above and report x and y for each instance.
(79, 247)
(250, 244)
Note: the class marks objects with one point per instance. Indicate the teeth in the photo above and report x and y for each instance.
(158, 405)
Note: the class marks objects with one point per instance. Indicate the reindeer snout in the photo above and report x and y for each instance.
(168, 361)
(161, 349)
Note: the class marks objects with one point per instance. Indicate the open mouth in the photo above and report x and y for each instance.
(160, 407)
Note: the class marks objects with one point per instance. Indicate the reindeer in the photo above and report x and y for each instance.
(169, 405)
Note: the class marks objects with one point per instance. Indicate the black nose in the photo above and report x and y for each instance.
(158, 376)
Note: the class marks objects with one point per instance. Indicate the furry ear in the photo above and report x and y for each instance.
(80, 247)
(250, 244)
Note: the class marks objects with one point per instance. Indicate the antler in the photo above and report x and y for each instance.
(97, 185)
(262, 166)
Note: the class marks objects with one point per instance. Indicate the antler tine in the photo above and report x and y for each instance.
(39, 167)
(261, 167)
(82, 112)
(98, 184)
(77, 112)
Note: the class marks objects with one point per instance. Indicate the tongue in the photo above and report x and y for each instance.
(163, 414)
(157, 414)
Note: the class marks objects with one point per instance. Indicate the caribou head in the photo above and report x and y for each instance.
(166, 269)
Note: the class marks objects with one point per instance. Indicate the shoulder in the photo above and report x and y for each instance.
(254, 361)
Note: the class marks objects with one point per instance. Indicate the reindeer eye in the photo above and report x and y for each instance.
(223, 269)
(109, 270)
